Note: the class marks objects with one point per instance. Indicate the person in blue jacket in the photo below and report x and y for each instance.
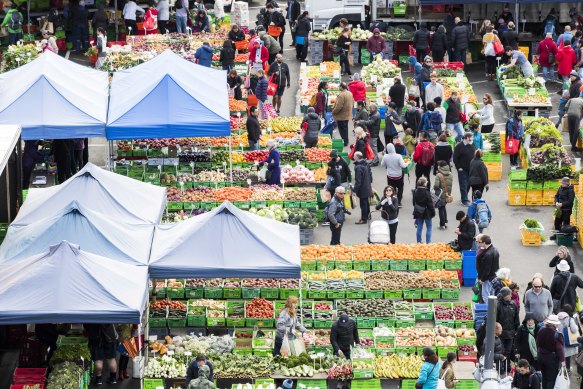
(261, 92)
(272, 161)
(204, 55)
(473, 209)
(429, 373)
(417, 70)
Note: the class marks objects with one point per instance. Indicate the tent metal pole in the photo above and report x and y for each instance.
(231, 159)
(115, 19)
(516, 15)
(141, 346)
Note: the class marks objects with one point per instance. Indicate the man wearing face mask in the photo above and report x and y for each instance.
(343, 335)
(280, 70)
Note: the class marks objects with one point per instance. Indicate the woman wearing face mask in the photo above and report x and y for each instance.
(287, 323)
(447, 373)
(272, 161)
(525, 341)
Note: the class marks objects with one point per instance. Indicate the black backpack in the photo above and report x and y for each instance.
(178, 4)
(15, 20)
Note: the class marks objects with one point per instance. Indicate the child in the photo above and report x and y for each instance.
(399, 147)
(478, 142)
(450, 139)
(562, 102)
(515, 297)
(409, 141)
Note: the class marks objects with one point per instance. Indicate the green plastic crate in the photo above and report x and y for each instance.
(445, 323)
(153, 383)
(323, 323)
(317, 294)
(70, 340)
(355, 294)
(517, 185)
(443, 351)
(412, 294)
(464, 324)
(531, 185)
(309, 204)
(466, 341)
(338, 144)
(416, 264)
(336, 294)
(393, 294)
(263, 323)
(284, 293)
(213, 293)
(386, 321)
(243, 351)
(404, 323)
(363, 373)
(517, 175)
(309, 265)
(249, 293)
(325, 264)
(176, 322)
(157, 322)
(431, 294)
(196, 321)
(343, 265)
(551, 185)
(379, 264)
(374, 294)
(232, 293)
(366, 322)
(235, 322)
(175, 293)
(215, 321)
(269, 293)
(194, 293)
(361, 265)
(434, 264)
(452, 264)
(450, 294)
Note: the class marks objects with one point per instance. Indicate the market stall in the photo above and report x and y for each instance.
(528, 94)
(94, 232)
(168, 97)
(69, 285)
(103, 191)
(68, 100)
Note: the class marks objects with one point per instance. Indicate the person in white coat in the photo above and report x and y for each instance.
(129, 16)
(219, 10)
(487, 115)
(163, 8)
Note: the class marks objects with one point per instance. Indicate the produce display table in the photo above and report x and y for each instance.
(529, 95)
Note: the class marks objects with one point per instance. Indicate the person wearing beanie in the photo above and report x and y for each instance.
(564, 287)
(342, 168)
(421, 41)
(344, 335)
(376, 44)
(564, 199)
(507, 316)
(525, 340)
(466, 231)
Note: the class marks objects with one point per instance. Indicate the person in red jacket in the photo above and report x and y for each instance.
(358, 90)
(321, 106)
(545, 48)
(258, 55)
(566, 58)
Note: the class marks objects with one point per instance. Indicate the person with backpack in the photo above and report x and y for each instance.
(551, 23)
(463, 153)
(311, 128)
(13, 22)
(569, 328)
(423, 209)
(102, 341)
(443, 186)
(526, 377)
(479, 211)
(334, 214)
(478, 173)
(389, 206)
(423, 157)
(564, 287)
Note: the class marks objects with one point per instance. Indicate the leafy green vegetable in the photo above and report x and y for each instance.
(532, 223)
(64, 376)
(71, 353)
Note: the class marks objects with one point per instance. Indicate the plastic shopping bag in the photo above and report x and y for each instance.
(292, 345)
(562, 381)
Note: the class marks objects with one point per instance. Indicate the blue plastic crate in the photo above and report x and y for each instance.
(469, 281)
(469, 265)
(481, 307)
(383, 112)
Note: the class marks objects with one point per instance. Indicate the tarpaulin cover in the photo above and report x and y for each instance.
(226, 242)
(69, 285)
(122, 199)
(168, 97)
(94, 232)
(54, 98)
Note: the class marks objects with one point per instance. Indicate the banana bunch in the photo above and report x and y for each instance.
(285, 124)
(397, 366)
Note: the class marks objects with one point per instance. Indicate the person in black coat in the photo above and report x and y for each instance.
(397, 94)
(235, 81)
(300, 37)
(466, 231)
(478, 174)
(276, 18)
(443, 151)
(362, 185)
(421, 41)
(460, 41)
(227, 55)
(559, 284)
(499, 358)
(562, 254)
(423, 209)
(294, 9)
(564, 201)
(522, 349)
(389, 206)
(412, 118)
(343, 335)
(253, 128)
(510, 37)
(507, 315)
(439, 44)
(62, 157)
(487, 264)
(463, 153)
(341, 166)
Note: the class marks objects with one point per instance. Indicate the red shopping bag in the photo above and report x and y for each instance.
(498, 47)
(272, 86)
(512, 145)
(369, 152)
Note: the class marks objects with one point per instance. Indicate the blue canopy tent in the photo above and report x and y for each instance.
(120, 198)
(96, 233)
(168, 97)
(68, 285)
(226, 242)
(54, 98)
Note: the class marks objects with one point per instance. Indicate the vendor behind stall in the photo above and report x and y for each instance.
(344, 334)
(194, 369)
(518, 58)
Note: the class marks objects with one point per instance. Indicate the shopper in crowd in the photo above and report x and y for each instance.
(342, 111)
(129, 15)
(361, 112)
(376, 44)
(460, 41)
(236, 34)
(358, 90)
(487, 114)
(101, 45)
(564, 199)
(566, 59)
(280, 72)
(373, 125)
(342, 168)
(517, 58)
(487, 264)
(312, 124)
(488, 49)
(389, 206)
(547, 51)
(507, 315)
(501, 280)
(343, 44)
(515, 129)
(258, 55)
(287, 323)
(80, 22)
(562, 107)
(394, 164)
(567, 35)
(421, 40)
(62, 157)
(525, 341)
(574, 109)
(321, 106)
(423, 209)
(13, 22)
(510, 36)
(424, 157)
(219, 10)
(398, 94)
(197, 6)
(443, 186)
(429, 373)
(453, 116)
(235, 82)
(443, 152)
(463, 154)
(538, 301)
(564, 287)
(362, 185)
(551, 23)
(51, 41)
(201, 22)
(227, 56)
(447, 373)
(426, 69)
(102, 341)
(193, 371)
(392, 120)
(163, 8)
(276, 19)
(576, 84)
(125, 334)
(478, 173)
(332, 178)
(294, 9)
(359, 141)
(261, 92)
(204, 55)
(344, 336)
(479, 211)
(78, 146)
(433, 90)
(466, 231)
(303, 28)
(562, 255)
(273, 159)
(551, 351)
(335, 212)
(439, 44)
(253, 128)
(271, 44)
(525, 376)
(412, 121)
(569, 327)
(30, 156)
(151, 20)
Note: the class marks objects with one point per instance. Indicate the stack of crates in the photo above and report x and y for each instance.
(534, 193)
(503, 142)
(480, 312)
(549, 192)
(517, 187)
(494, 164)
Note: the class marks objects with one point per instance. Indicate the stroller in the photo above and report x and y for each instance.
(378, 230)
